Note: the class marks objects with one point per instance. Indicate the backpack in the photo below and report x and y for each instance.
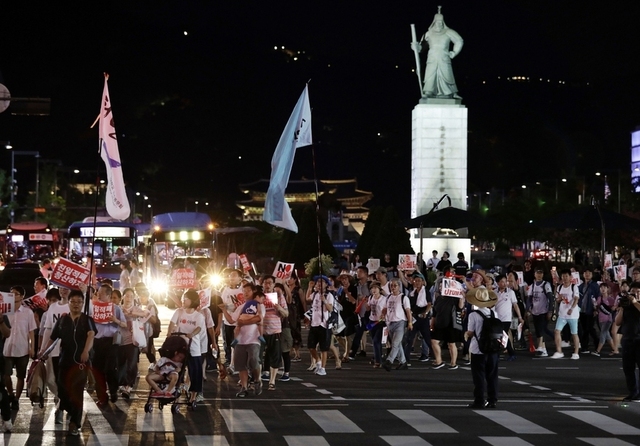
(492, 335)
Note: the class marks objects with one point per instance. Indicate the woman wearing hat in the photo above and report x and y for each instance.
(484, 366)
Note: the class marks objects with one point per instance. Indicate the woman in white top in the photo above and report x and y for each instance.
(375, 305)
(397, 314)
(191, 322)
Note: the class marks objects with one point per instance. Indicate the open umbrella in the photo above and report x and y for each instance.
(449, 217)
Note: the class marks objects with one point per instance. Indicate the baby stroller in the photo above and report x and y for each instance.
(172, 344)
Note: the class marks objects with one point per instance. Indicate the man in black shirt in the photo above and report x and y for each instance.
(628, 319)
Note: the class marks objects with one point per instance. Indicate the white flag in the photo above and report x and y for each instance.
(116, 197)
(297, 133)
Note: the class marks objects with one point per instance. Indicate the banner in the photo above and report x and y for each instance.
(37, 301)
(297, 133)
(69, 274)
(283, 270)
(246, 266)
(116, 197)
(7, 303)
(205, 297)
(451, 287)
(102, 312)
(407, 262)
(183, 278)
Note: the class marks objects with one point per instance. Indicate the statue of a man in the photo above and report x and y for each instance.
(438, 78)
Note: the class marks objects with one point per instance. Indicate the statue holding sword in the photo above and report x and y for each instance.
(439, 81)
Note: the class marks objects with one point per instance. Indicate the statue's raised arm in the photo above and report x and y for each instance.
(439, 81)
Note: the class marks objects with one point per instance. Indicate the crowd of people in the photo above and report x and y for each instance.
(253, 328)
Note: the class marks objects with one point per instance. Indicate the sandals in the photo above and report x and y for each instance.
(614, 353)
(272, 387)
(312, 367)
(242, 394)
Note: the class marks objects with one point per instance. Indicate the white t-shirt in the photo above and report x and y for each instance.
(187, 323)
(567, 302)
(474, 324)
(376, 307)
(320, 314)
(232, 298)
(22, 323)
(504, 306)
(396, 304)
(208, 322)
(55, 312)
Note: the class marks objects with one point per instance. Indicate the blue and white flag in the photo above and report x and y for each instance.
(116, 199)
(297, 133)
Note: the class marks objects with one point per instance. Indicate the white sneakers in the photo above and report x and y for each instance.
(557, 355)
(6, 426)
(321, 371)
(565, 344)
(575, 356)
(541, 352)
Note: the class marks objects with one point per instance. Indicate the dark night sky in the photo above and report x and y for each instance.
(187, 107)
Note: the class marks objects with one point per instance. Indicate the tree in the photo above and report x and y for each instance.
(392, 237)
(370, 232)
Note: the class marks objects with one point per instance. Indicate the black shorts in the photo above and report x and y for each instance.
(318, 336)
(20, 364)
(447, 334)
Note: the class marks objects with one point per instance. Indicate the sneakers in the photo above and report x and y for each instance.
(403, 366)
(257, 388)
(565, 344)
(230, 370)
(542, 354)
(73, 429)
(557, 355)
(199, 397)
(321, 371)
(387, 365)
(437, 366)
(466, 362)
(243, 393)
(626, 399)
(423, 358)
(265, 376)
(575, 356)
(285, 377)
(6, 426)
(584, 352)
(362, 353)
(595, 353)
(58, 416)
(453, 367)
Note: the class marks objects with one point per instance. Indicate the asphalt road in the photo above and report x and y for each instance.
(542, 402)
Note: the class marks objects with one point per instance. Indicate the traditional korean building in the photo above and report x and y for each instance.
(349, 219)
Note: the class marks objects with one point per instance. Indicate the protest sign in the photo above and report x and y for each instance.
(620, 272)
(102, 312)
(205, 298)
(407, 262)
(7, 303)
(246, 266)
(283, 270)
(608, 261)
(183, 278)
(451, 287)
(37, 301)
(520, 278)
(373, 265)
(575, 278)
(69, 274)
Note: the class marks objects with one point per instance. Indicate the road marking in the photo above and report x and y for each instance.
(98, 421)
(108, 440)
(338, 398)
(579, 399)
(603, 422)
(578, 407)
(524, 383)
(305, 440)
(540, 388)
(333, 421)
(295, 378)
(324, 391)
(51, 425)
(206, 440)
(513, 422)
(562, 368)
(503, 377)
(423, 422)
(308, 385)
(156, 421)
(505, 441)
(400, 440)
(242, 420)
(440, 405)
(314, 405)
(562, 393)
(608, 441)
(15, 439)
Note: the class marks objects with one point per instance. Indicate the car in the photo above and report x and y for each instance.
(543, 254)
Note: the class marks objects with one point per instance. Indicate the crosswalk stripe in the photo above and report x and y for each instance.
(14, 439)
(405, 440)
(242, 420)
(333, 421)
(506, 441)
(156, 421)
(108, 440)
(99, 423)
(206, 440)
(51, 425)
(513, 422)
(604, 441)
(305, 440)
(423, 422)
(603, 422)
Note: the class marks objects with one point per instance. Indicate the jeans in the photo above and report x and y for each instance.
(421, 326)
(396, 333)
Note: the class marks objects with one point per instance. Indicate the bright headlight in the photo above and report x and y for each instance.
(158, 286)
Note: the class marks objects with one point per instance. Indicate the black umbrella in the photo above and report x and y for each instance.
(589, 217)
(449, 217)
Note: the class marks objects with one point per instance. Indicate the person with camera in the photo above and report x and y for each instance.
(628, 319)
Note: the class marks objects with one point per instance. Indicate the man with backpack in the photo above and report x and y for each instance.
(540, 306)
(568, 313)
(487, 340)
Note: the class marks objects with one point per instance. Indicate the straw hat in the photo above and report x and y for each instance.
(481, 297)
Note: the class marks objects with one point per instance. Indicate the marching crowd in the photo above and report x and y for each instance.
(261, 324)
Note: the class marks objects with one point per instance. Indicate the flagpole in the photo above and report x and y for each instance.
(315, 181)
(93, 234)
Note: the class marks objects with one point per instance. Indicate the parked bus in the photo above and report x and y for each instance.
(29, 240)
(114, 241)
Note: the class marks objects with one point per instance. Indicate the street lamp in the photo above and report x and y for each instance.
(13, 170)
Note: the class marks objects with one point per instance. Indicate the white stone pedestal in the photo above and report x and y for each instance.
(438, 154)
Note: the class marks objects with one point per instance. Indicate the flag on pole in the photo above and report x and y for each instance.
(116, 197)
(297, 133)
(607, 189)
